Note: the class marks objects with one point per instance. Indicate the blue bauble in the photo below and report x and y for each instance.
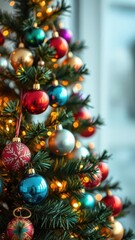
(58, 95)
(1, 185)
(33, 189)
(88, 201)
(34, 37)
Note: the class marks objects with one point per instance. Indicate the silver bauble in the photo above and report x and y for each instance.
(79, 153)
(3, 63)
(61, 142)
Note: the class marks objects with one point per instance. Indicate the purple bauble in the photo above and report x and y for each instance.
(66, 34)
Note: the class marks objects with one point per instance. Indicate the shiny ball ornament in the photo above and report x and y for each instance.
(21, 57)
(20, 228)
(74, 62)
(66, 34)
(82, 114)
(104, 170)
(114, 203)
(58, 95)
(35, 101)
(34, 37)
(88, 201)
(2, 39)
(95, 181)
(3, 63)
(60, 45)
(1, 185)
(33, 189)
(79, 153)
(116, 232)
(88, 132)
(15, 155)
(61, 142)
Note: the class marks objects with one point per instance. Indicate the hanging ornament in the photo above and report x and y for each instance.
(73, 61)
(104, 170)
(114, 203)
(20, 228)
(33, 188)
(3, 63)
(66, 34)
(1, 185)
(34, 36)
(95, 181)
(59, 44)
(35, 101)
(15, 155)
(61, 142)
(88, 132)
(21, 57)
(58, 95)
(79, 153)
(85, 201)
(115, 232)
(82, 114)
(2, 38)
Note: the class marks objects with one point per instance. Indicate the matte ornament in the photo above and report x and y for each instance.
(34, 37)
(3, 63)
(60, 45)
(35, 101)
(33, 189)
(61, 142)
(1, 185)
(58, 95)
(66, 34)
(104, 170)
(79, 153)
(20, 229)
(21, 57)
(2, 39)
(88, 201)
(114, 203)
(15, 155)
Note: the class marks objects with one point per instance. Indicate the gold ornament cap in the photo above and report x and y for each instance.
(31, 171)
(16, 139)
(36, 86)
(41, 63)
(55, 34)
(59, 127)
(55, 82)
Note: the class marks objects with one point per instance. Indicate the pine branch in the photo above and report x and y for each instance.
(129, 235)
(10, 21)
(11, 108)
(46, 53)
(41, 161)
(76, 102)
(108, 184)
(77, 46)
(104, 156)
(23, 9)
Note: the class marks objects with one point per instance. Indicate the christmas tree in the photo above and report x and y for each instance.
(51, 186)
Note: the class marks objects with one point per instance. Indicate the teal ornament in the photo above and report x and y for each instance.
(88, 201)
(58, 95)
(1, 185)
(34, 37)
(33, 188)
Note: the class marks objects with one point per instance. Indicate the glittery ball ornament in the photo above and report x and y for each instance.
(61, 142)
(21, 57)
(33, 188)
(58, 95)
(15, 155)
(59, 44)
(20, 229)
(35, 101)
(2, 39)
(114, 203)
(66, 34)
(34, 37)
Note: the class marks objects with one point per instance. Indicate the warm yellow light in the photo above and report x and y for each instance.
(39, 14)
(59, 184)
(42, 143)
(10, 120)
(98, 197)
(90, 129)
(46, 27)
(38, 146)
(81, 78)
(49, 10)
(77, 87)
(5, 32)
(42, 4)
(91, 146)
(75, 204)
(78, 144)
(64, 196)
(12, 3)
(52, 185)
(6, 99)
(81, 166)
(64, 83)
(55, 65)
(86, 179)
(49, 133)
(23, 133)
(54, 60)
(76, 124)
(7, 128)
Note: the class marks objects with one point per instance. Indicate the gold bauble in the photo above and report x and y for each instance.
(73, 61)
(116, 233)
(21, 57)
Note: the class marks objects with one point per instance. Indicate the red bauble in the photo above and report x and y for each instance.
(2, 39)
(114, 203)
(20, 228)
(15, 155)
(90, 183)
(104, 170)
(35, 101)
(60, 45)
(82, 114)
(88, 132)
